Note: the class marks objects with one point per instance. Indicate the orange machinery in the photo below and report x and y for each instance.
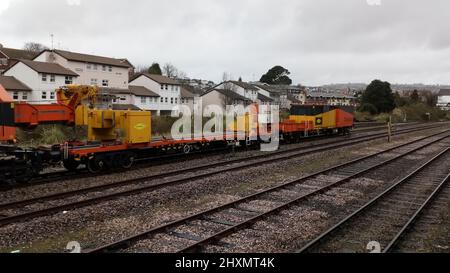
(25, 115)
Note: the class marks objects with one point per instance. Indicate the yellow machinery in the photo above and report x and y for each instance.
(93, 110)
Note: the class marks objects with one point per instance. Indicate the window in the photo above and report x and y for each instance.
(94, 82)
(176, 100)
(171, 100)
(110, 68)
(182, 100)
(44, 77)
(105, 83)
(95, 67)
(162, 99)
(24, 96)
(44, 95)
(167, 87)
(104, 67)
(162, 86)
(143, 100)
(16, 95)
(171, 88)
(52, 95)
(166, 100)
(69, 80)
(52, 78)
(88, 66)
(3, 61)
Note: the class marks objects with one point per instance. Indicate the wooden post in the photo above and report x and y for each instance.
(390, 129)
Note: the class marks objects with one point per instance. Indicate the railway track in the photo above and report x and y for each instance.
(383, 222)
(301, 189)
(61, 175)
(17, 207)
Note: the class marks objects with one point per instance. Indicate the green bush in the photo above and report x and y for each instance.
(367, 107)
(44, 135)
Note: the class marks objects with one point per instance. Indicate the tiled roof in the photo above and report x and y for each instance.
(18, 54)
(186, 94)
(86, 58)
(229, 94)
(261, 97)
(444, 92)
(157, 78)
(12, 84)
(47, 68)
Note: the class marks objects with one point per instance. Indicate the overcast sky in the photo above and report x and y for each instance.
(319, 41)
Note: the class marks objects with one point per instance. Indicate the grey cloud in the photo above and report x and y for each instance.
(319, 41)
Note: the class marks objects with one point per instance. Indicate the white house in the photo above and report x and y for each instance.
(92, 70)
(223, 98)
(15, 88)
(242, 88)
(138, 96)
(168, 89)
(42, 78)
(444, 99)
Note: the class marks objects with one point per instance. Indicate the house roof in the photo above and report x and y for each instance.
(126, 107)
(47, 68)
(12, 84)
(132, 90)
(444, 92)
(293, 99)
(18, 54)
(86, 58)
(261, 97)
(245, 85)
(229, 94)
(157, 78)
(329, 95)
(142, 91)
(186, 94)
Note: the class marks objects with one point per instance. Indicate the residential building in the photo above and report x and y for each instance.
(139, 96)
(326, 98)
(444, 99)
(187, 98)
(223, 98)
(168, 89)
(42, 78)
(92, 70)
(244, 89)
(9, 56)
(15, 88)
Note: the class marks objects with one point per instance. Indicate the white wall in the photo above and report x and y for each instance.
(33, 80)
(249, 94)
(170, 97)
(118, 77)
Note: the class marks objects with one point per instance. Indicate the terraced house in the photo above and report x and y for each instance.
(169, 91)
(91, 69)
(40, 78)
(9, 56)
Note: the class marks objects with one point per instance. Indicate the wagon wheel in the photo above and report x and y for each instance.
(71, 164)
(187, 149)
(128, 160)
(96, 165)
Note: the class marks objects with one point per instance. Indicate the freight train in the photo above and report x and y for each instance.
(117, 138)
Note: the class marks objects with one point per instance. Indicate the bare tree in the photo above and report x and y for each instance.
(34, 47)
(226, 78)
(170, 70)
